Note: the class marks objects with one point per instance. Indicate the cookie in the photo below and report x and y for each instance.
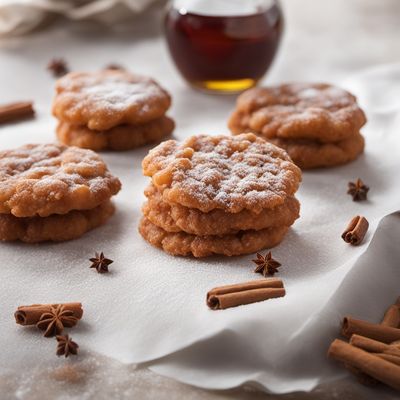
(222, 172)
(45, 179)
(104, 99)
(176, 218)
(298, 111)
(218, 195)
(311, 154)
(55, 227)
(121, 137)
(184, 244)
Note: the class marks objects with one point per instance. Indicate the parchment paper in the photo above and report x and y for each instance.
(152, 305)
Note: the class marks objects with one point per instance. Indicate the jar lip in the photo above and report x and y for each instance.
(223, 8)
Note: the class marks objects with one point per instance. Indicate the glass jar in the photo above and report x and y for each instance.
(223, 46)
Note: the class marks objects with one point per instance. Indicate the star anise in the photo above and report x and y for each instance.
(66, 346)
(115, 67)
(100, 263)
(266, 265)
(58, 67)
(358, 190)
(54, 322)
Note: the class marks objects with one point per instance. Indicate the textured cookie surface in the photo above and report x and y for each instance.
(231, 173)
(56, 227)
(122, 137)
(301, 110)
(176, 218)
(311, 154)
(183, 244)
(44, 179)
(104, 99)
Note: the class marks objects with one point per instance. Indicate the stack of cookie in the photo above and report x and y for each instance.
(53, 193)
(218, 195)
(317, 124)
(110, 110)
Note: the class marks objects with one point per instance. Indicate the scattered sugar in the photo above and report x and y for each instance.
(308, 93)
(119, 95)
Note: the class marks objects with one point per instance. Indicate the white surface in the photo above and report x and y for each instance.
(153, 304)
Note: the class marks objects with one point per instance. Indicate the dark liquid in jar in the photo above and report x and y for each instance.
(226, 54)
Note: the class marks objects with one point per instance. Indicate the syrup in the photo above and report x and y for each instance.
(223, 46)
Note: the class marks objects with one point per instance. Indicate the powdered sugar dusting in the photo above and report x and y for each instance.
(308, 93)
(231, 173)
(327, 97)
(117, 95)
(300, 110)
(46, 179)
(102, 100)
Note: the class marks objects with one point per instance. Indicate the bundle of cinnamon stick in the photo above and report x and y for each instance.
(373, 352)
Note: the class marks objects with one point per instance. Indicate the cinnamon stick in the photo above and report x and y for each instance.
(389, 357)
(30, 315)
(369, 345)
(361, 376)
(373, 346)
(244, 293)
(370, 364)
(16, 111)
(382, 333)
(356, 230)
(392, 315)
